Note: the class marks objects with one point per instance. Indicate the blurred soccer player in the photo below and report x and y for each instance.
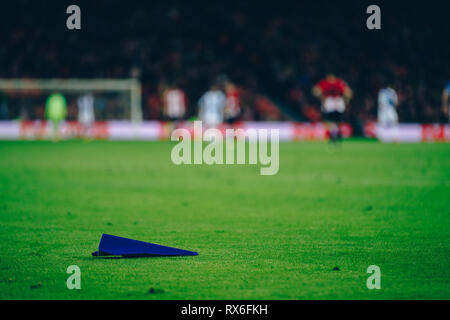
(56, 112)
(86, 116)
(446, 100)
(334, 93)
(211, 107)
(387, 103)
(232, 104)
(174, 104)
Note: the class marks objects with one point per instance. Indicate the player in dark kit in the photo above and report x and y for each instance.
(446, 100)
(334, 94)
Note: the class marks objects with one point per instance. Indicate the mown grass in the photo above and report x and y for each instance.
(258, 237)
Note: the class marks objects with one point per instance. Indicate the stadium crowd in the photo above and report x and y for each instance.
(273, 57)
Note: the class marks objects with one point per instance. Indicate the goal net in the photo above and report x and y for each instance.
(114, 99)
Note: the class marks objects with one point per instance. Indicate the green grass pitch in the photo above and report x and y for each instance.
(258, 237)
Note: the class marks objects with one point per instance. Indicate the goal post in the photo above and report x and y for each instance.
(127, 92)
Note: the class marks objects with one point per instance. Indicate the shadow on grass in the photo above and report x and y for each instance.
(137, 256)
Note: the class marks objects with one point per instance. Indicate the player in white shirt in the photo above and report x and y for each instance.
(86, 115)
(211, 107)
(387, 103)
(175, 104)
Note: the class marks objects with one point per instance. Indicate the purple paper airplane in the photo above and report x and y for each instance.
(117, 246)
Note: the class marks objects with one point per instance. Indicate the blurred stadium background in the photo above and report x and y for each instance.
(272, 54)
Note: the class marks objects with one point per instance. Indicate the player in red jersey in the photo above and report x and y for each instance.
(334, 94)
(232, 104)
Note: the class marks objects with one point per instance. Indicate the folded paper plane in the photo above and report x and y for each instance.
(118, 246)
